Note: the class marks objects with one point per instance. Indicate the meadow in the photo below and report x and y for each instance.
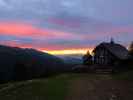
(69, 87)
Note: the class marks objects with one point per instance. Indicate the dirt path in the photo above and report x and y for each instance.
(100, 87)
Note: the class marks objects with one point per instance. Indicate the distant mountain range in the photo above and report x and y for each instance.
(72, 59)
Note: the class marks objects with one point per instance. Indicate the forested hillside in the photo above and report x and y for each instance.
(21, 64)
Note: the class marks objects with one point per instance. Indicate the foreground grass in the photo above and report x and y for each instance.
(53, 88)
(123, 76)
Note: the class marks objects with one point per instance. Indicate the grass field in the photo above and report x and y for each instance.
(53, 88)
(66, 87)
(123, 76)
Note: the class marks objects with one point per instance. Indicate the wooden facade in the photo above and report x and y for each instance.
(103, 57)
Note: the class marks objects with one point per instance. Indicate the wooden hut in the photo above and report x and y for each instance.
(109, 54)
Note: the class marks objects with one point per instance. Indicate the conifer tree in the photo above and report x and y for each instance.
(131, 48)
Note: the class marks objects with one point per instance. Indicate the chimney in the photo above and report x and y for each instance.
(112, 41)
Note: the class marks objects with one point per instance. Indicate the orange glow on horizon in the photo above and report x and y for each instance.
(68, 51)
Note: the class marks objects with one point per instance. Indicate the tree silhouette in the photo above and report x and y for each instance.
(87, 58)
(131, 49)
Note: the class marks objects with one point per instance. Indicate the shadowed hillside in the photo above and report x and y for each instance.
(22, 64)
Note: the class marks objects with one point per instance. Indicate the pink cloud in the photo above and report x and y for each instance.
(26, 29)
(22, 29)
(19, 29)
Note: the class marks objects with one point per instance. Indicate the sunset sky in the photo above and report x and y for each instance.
(65, 26)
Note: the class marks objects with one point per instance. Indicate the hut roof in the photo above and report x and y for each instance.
(116, 49)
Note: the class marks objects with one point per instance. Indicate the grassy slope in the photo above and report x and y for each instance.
(54, 88)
